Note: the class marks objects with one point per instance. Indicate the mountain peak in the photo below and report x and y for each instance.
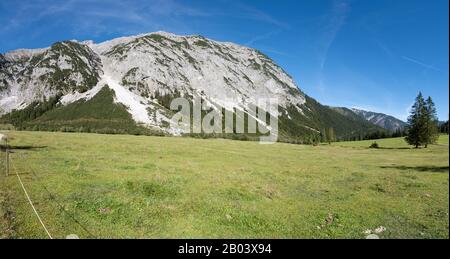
(19, 54)
(144, 72)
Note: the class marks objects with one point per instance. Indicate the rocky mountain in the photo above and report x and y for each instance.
(70, 86)
(382, 120)
(35, 75)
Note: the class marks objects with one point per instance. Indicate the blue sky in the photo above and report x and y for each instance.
(375, 55)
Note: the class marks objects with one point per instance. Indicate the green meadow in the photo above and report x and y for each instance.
(117, 186)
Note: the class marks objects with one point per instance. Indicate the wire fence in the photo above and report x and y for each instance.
(59, 205)
(31, 202)
(38, 181)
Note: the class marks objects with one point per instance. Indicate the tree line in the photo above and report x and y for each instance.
(423, 127)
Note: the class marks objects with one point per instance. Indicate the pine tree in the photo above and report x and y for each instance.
(323, 136)
(444, 127)
(416, 123)
(431, 131)
(331, 137)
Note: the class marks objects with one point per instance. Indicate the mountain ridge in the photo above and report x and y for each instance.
(146, 71)
(380, 119)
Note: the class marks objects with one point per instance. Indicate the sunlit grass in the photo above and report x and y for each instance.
(106, 186)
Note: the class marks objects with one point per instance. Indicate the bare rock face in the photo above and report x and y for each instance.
(147, 71)
(34, 75)
(143, 68)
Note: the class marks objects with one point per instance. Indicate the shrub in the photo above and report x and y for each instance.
(374, 145)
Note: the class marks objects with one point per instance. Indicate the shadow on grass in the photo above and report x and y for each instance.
(378, 148)
(433, 169)
(12, 148)
(395, 148)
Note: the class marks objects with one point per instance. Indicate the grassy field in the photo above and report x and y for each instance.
(104, 186)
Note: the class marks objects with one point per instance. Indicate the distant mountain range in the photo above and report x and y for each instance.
(382, 120)
(379, 119)
(125, 85)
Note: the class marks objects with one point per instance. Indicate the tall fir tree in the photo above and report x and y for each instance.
(416, 123)
(431, 130)
(444, 127)
(323, 136)
(330, 135)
